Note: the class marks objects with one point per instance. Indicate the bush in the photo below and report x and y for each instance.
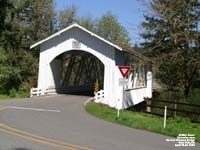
(24, 90)
(12, 92)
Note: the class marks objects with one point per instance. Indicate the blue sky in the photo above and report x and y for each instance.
(128, 12)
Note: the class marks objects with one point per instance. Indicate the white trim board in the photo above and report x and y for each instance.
(80, 27)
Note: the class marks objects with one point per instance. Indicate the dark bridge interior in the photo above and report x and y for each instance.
(79, 72)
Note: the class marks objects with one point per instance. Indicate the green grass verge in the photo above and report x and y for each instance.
(4, 97)
(7, 97)
(139, 120)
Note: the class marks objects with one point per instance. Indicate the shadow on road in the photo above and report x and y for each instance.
(20, 148)
(83, 93)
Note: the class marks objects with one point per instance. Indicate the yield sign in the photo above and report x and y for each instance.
(124, 70)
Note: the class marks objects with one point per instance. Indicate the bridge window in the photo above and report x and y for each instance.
(138, 76)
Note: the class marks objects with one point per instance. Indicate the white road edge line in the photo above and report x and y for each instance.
(23, 108)
(90, 99)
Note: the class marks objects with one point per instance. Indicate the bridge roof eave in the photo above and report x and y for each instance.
(80, 27)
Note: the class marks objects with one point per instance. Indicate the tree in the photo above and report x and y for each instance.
(87, 22)
(9, 75)
(109, 28)
(26, 22)
(68, 16)
(37, 19)
(171, 39)
(5, 5)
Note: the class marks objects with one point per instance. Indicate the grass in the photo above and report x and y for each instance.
(143, 121)
(4, 97)
(7, 97)
(22, 92)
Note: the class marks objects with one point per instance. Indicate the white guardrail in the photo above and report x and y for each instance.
(37, 92)
(99, 96)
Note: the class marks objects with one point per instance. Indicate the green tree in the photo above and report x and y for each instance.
(36, 18)
(5, 5)
(9, 75)
(26, 22)
(87, 22)
(68, 16)
(171, 39)
(109, 28)
(5, 9)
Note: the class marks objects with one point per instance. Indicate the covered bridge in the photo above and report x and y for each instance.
(74, 58)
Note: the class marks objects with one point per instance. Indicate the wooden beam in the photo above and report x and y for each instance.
(68, 73)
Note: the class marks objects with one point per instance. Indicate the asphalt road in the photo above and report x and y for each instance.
(60, 123)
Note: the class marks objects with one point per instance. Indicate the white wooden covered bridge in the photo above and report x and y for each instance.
(74, 58)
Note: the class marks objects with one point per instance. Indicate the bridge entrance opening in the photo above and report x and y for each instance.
(76, 72)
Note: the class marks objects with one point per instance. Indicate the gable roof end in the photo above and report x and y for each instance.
(80, 27)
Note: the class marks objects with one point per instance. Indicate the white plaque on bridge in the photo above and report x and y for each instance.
(123, 81)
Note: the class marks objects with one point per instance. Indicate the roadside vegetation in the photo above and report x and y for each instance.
(14, 95)
(4, 97)
(139, 120)
(193, 97)
(185, 106)
(171, 39)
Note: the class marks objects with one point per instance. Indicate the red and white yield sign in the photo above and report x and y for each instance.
(124, 70)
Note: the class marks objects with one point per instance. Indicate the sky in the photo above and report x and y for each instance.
(128, 12)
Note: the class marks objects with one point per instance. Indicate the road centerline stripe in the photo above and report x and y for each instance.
(42, 138)
(36, 140)
(4, 107)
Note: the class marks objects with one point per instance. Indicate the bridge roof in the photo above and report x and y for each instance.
(80, 27)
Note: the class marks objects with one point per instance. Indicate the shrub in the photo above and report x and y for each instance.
(24, 90)
(12, 92)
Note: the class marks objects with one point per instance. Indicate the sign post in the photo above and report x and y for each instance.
(123, 82)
